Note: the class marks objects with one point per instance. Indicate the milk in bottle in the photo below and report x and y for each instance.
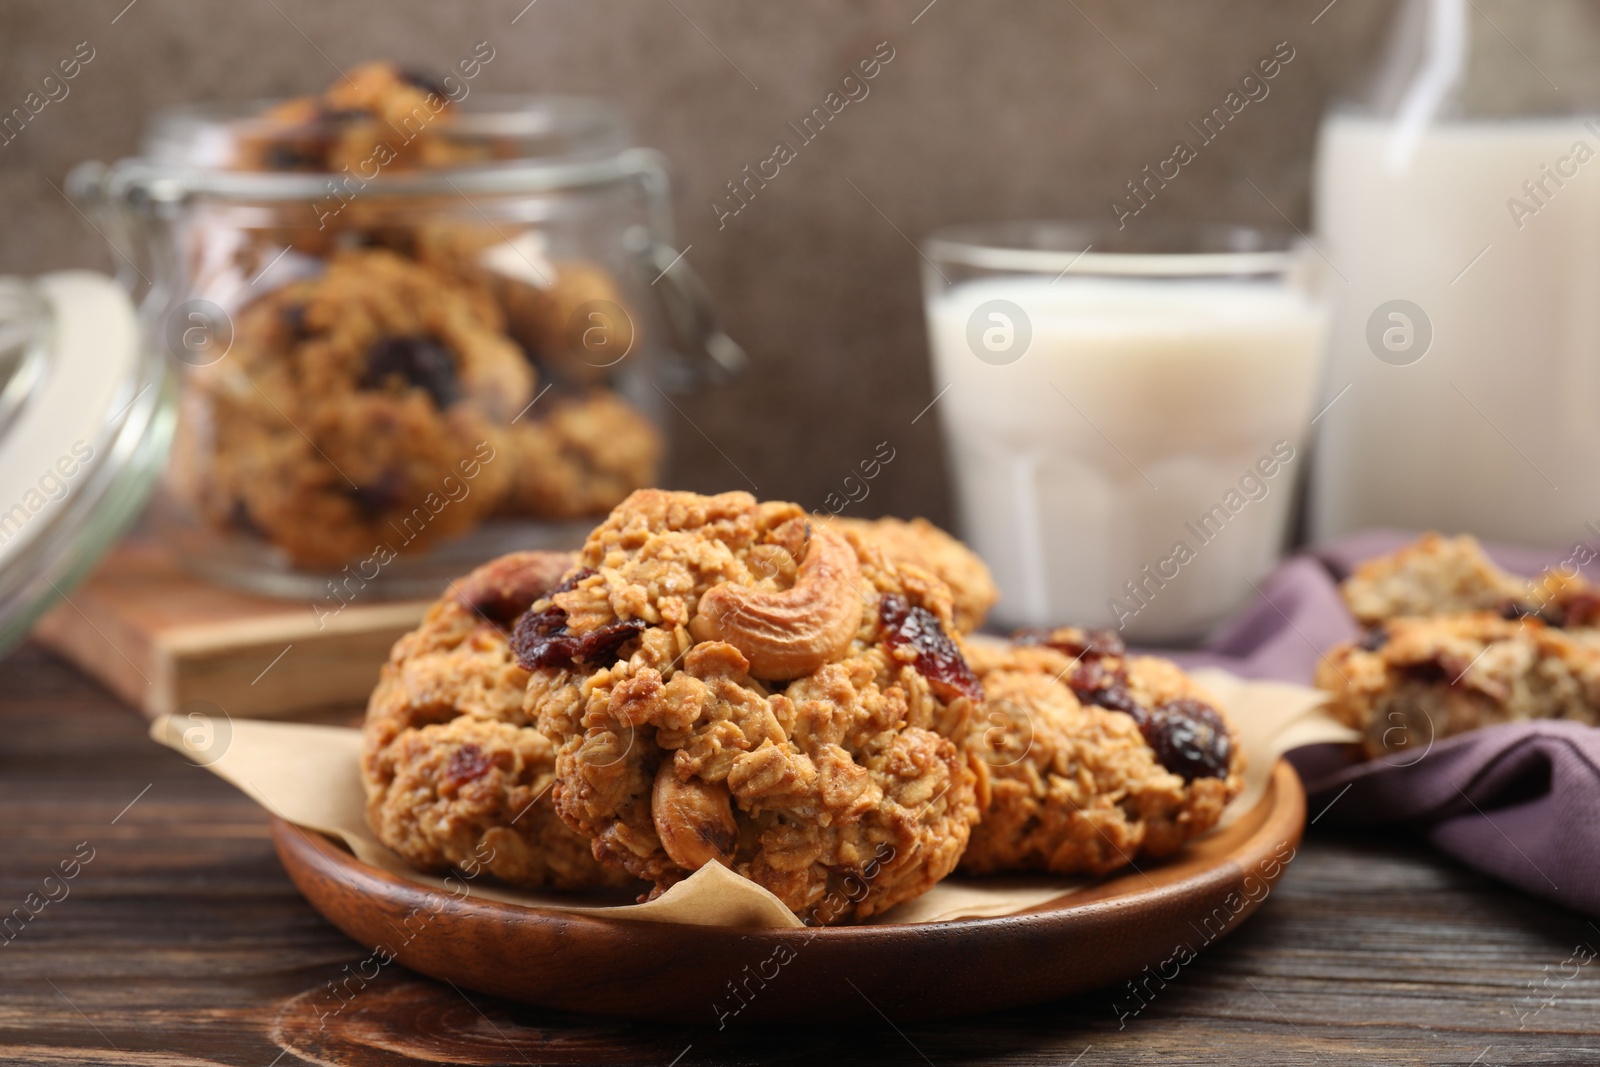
(1460, 206)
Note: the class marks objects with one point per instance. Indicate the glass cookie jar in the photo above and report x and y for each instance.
(410, 333)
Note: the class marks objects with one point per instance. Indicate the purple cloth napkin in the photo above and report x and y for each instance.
(1515, 801)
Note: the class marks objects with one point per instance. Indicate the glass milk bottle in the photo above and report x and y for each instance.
(1458, 199)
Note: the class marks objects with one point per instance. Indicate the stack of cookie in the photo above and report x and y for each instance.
(1454, 643)
(405, 356)
(720, 680)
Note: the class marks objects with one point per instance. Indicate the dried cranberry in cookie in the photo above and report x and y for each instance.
(413, 361)
(1189, 738)
(915, 635)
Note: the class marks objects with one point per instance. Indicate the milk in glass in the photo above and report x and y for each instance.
(1135, 467)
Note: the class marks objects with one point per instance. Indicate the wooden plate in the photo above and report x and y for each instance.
(1157, 916)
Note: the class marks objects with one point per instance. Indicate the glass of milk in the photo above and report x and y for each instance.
(1125, 413)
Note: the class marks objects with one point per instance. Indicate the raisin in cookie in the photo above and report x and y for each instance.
(362, 408)
(921, 543)
(727, 682)
(1410, 681)
(1094, 757)
(456, 776)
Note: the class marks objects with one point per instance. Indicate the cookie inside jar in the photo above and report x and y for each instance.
(413, 330)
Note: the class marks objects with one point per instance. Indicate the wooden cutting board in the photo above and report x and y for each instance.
(162, 639)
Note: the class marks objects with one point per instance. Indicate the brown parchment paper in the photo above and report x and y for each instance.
(310, 776)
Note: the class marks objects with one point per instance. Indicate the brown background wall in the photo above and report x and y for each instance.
(989, 110)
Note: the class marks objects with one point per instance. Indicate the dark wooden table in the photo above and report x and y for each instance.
(182, 942)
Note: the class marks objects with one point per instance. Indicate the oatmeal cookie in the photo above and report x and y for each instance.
(377, 119)
(361, 408)
(578, 326)
(456, 775)
(568, 315)
(1430, 576)
(921, 543)
(582, 457)
(727, 682)
(1437, 575)
(1094, 757)
(377, 116)
(1410, 681)
(580, 452)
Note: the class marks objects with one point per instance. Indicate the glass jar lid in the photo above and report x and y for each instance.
(489, 144)
(86, 418)
(507, 128)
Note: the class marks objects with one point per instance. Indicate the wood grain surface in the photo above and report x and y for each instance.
(162, 640)
(181, 941)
